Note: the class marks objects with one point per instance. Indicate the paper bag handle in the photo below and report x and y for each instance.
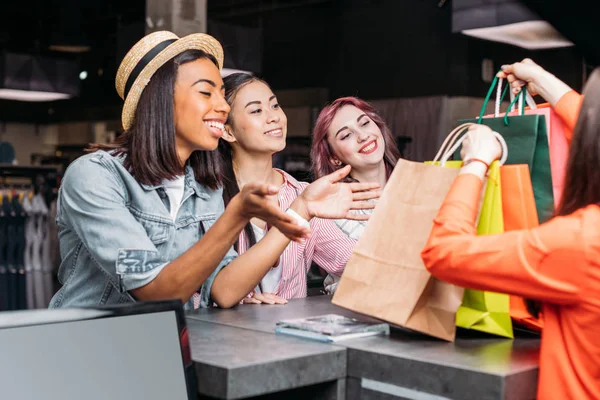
(453, 149)
(451, 139)
(500, 95)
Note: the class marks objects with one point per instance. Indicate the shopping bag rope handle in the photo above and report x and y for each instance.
(498, 136)
(500, 95)
(451, 139)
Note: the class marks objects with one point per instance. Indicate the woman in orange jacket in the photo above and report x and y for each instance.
(557, 263)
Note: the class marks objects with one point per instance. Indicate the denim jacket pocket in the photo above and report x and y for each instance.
(138, 267)
(206, 221)
(156, 226)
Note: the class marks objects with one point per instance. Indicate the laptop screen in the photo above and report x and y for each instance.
(89, 354)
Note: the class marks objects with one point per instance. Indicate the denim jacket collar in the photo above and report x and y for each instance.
(190, 182)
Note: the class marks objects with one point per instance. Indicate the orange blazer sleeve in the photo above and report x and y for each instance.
(527, 263)
(567, 109)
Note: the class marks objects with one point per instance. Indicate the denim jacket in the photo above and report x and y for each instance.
(116, 235)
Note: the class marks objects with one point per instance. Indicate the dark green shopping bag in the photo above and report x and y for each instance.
(527, 140)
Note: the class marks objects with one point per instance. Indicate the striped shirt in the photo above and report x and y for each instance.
(354, 230)
(327, 246)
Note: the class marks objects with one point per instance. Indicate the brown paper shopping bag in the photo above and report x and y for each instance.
(385, 277)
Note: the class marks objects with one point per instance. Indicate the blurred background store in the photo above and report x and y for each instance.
(424, 64)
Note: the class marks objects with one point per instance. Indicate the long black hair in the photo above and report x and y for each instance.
(233, 84)
(582, 180)
(149, 144)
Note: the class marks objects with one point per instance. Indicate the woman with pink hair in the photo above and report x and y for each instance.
(350, 132)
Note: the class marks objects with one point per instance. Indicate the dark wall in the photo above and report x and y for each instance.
(392, 49)
(466, 79)
(298, 45)
(388, 48)
(406, 49)
(370, 48)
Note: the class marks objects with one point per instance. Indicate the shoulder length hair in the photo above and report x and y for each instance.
(582, 180)
(149, 145)
(233, 84)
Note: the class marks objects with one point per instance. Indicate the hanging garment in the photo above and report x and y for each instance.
(28, 253)
(54, 251)
(20, 216)
(3, 266)
(40, 214)
(46, 261)
(10, 246)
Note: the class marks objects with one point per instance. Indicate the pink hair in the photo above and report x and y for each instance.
(321, 152)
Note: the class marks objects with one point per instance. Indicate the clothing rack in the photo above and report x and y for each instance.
(28, 237)
(44, 179)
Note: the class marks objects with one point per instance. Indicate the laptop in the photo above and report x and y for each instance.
(131, 351)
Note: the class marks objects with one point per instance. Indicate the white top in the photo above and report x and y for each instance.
(174, 190)
(270, 281)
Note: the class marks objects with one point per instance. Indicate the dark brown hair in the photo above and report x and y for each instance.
(233, 84)
(582, 180)
(149, 145)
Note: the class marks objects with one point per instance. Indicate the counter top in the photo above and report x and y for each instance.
(474, 366)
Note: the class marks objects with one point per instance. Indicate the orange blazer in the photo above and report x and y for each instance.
(557, 263)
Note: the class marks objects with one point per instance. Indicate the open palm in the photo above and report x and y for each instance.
(329, 198)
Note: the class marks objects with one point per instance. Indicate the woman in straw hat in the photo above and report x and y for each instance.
(134, 217)
(557, 263)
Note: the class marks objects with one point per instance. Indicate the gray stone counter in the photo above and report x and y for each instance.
(264, 317)
(233, 363)
(406, 365)
(467, 369)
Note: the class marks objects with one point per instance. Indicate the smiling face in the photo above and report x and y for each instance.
(257, 124)
(355, 139)
(200, 108)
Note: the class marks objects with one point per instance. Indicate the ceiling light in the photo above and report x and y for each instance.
(28, 77)
(530, 35)
(31, 95)
(505, 21)
(70, 48)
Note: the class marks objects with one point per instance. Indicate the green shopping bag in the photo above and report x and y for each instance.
(487, 311)
(527, 140)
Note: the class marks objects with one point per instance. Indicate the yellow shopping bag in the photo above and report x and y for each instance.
(487, 311)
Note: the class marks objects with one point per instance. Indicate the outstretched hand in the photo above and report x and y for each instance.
(329, 198)
(256, 202)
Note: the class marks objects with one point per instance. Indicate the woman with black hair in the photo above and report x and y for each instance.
(557, 263)
(256, 129)
(143, 219)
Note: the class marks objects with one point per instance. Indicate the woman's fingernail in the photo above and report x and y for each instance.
(503, 67)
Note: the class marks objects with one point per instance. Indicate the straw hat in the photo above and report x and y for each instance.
(147, 56)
